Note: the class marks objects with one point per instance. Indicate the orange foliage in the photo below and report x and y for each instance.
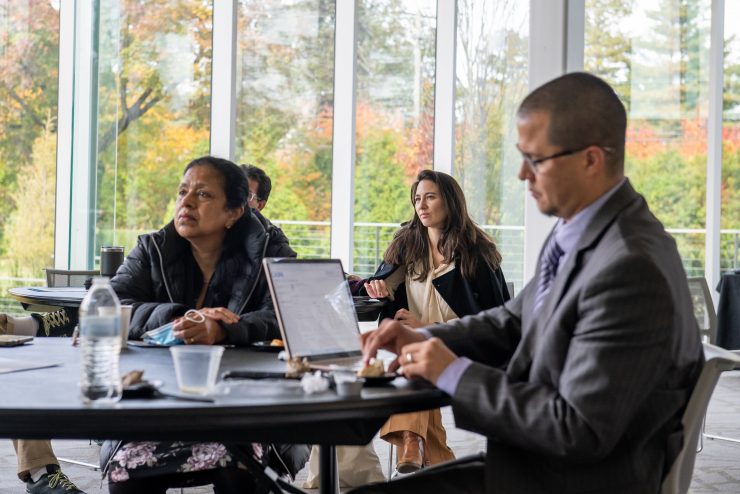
(694, 142)
(645, 139)
(731, 138)
(642, 141)
(415, 144)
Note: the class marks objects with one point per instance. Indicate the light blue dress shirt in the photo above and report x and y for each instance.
(567, 234)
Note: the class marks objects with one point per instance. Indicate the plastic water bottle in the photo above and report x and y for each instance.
(100, 315)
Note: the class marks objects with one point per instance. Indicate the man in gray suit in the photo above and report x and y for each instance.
(580, 382)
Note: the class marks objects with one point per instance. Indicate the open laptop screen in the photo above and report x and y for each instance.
(314, 307)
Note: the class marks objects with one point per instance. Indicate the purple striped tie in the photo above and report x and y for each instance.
(548, 270)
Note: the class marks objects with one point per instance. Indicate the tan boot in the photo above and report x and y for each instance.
(6, 326)
(411, 456)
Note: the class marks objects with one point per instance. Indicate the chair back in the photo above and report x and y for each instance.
(718, 360)
(63, 277)
(510, 287)
(706, 316)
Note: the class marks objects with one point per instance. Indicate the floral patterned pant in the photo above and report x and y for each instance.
(147, 458)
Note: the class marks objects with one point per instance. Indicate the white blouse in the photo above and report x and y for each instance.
(425, 302)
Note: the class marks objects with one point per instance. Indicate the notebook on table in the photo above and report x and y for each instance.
(315, 312)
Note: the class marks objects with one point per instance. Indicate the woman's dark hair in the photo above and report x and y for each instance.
(460, 241)
(233, 181)
(236, 189)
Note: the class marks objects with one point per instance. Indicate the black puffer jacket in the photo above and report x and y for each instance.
(278, 238)
(159, 278)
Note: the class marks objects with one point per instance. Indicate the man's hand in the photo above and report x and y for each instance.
(408, 318)
(426, 360)
(392, 336)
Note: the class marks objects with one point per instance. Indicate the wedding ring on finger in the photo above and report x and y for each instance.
(409, 358)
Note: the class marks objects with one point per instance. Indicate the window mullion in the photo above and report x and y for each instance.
(343, 159)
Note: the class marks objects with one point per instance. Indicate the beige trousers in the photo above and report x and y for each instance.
(427, 424)
(33, 454)
(358, 465)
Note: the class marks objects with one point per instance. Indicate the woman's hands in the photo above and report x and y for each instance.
(408, 318)
(377, 289)
(208, 332)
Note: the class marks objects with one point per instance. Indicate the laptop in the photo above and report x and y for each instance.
(315, 312)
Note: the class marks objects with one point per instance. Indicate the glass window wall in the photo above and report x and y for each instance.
(491, 80)
(730, 212)
(395, 118)
(152, 112)
(29, 61)
(284, 112)
(656, 54)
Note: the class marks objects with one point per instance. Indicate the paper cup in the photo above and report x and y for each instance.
(125, 320)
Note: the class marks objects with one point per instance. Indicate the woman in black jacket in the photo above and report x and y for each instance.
(439, 266)
(208, 258)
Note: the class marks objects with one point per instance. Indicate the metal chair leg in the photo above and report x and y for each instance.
(390, 460)
(80, 463)
(704, 434)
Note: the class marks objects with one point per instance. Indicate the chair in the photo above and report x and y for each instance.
(510, 287)
(63, 277)
(718, 360)
(706, 316)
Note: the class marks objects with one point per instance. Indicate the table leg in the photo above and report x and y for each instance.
(328, 475)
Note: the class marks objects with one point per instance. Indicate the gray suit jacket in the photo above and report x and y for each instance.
(586, 396)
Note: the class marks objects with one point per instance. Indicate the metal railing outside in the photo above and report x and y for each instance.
(311, 239)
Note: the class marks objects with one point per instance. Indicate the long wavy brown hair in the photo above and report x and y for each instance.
(461, 238)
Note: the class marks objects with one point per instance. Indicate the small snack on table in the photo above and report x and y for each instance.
(374, 368)
(296, 367)
(132, 378)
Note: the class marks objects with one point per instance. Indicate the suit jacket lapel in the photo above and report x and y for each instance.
(589, 239)
(534, 326)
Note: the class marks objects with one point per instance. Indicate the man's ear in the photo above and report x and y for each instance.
(595, 159)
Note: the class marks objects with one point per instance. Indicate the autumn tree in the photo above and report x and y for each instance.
(490, 81)
(29, 46)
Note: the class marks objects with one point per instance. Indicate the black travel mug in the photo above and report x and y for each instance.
(110, 258)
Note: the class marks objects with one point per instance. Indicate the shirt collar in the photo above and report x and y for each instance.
(568, 234)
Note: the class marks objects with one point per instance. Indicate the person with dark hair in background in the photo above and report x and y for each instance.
(207, 258)
(260, 187)
(439, 266)
(581, 381)
(259, 184)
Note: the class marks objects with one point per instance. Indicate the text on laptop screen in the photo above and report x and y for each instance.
(316, 308)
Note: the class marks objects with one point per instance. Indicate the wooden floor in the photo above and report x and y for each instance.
(717, 466)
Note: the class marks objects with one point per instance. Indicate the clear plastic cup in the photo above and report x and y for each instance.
(125, 320)
(196, 367)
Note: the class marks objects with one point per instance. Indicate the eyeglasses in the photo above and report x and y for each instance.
(534, 164)
(253, 197)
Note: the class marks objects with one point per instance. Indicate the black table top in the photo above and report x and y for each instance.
(46, 403)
